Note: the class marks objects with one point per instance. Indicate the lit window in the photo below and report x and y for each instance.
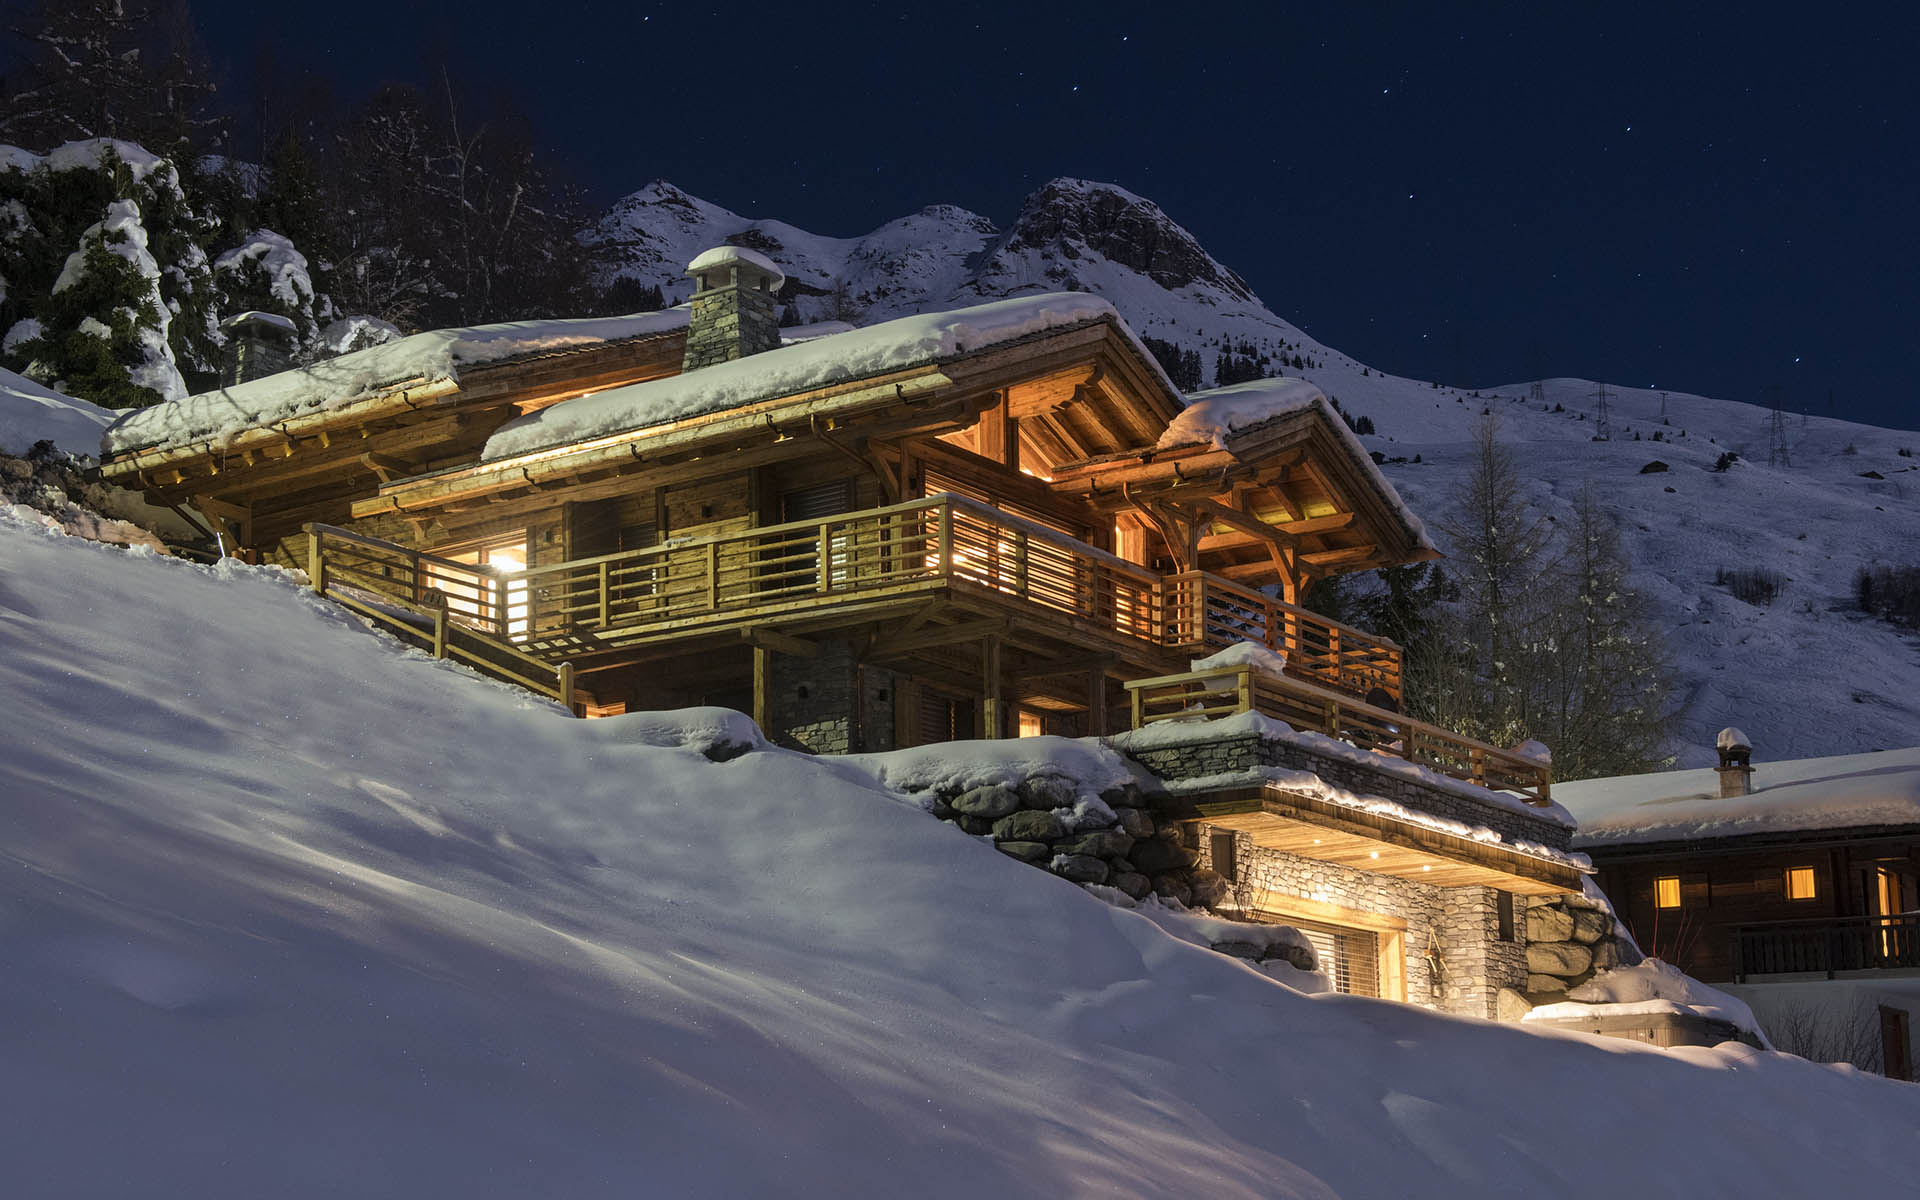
(1032, 724)
(1666, 892)
(1800, 884)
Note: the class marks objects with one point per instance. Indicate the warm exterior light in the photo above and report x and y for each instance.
(1375, 854)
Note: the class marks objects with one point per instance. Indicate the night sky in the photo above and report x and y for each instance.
(1709, 202)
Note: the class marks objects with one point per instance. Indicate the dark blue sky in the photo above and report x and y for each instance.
(1711, 201)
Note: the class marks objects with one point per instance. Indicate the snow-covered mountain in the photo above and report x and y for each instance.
(1807, 675)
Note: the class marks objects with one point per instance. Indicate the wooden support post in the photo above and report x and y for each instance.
(713, 575)
(990, 709)
(566, 684)
(606, 595)
(1478, 758)
(316, 562)
(1244, 682)
(1020, 562)
(1133, 694)
(945, 545)
(762, 687)
(1097, 703)
(439, 633)
(1332, 718)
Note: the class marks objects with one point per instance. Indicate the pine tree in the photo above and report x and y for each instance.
(129, 69)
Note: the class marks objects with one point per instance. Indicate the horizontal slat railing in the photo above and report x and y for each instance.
(1827, 945)
(1228, 690)
(1206, 611)
(455, 610)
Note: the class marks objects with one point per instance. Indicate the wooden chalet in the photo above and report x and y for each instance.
(943, 526)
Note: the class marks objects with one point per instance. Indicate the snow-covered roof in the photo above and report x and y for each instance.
(877, 349)
(1845, 792)
(1215, 416)
(337, 382)
(726, 256)
(31, 413)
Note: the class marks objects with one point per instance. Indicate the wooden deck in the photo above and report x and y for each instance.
(1315, 709)
(854, 565)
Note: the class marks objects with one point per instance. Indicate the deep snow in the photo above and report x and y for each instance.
(289, 911)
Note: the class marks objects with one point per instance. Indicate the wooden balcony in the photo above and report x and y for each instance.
(1314, 709)
(1827, 946)
(859, 566)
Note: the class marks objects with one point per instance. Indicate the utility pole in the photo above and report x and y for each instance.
(1602, 425)
(1777, 442)
(1663, 407)
(1538, 393)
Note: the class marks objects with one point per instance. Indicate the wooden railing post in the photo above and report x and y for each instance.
(1244, 682)
(316, 561)
(713, 575)
(1133, 694)
(1477, 759)
(1332, 717)
(440, 633)
(564, 684)
(825, 558)
(944, 553)
(1020, 562)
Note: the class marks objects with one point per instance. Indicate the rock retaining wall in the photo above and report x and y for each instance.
(1570, 939)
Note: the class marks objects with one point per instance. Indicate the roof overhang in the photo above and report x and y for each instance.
(1293, 822)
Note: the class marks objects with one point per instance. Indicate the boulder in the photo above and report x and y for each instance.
(1245, 950)
(1546, 985)
(1051, 791)
(1104, 843)
(1606, 955)
(989, 802)
(1030, 825)
(974, 825)
(1031, 852)
(1134, 821)
(1208, 887)
(1171, 887)
(1510, 1005)
(1081, 868)
(1565, 959)
(1590, 925)
(1158, 856)
(1546, 924)
(1133, 883)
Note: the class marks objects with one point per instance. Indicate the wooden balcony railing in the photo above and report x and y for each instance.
(1207, 611)
(1826, 945)
(1229, 690)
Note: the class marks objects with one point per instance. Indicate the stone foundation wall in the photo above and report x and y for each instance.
(1476, 962)
(1249, 752)
(1570, 939)
(1261, 871)
(830, 704)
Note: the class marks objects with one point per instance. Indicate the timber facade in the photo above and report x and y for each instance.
(996, 522)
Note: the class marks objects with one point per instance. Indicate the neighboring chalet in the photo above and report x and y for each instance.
(996, 521)
(1767, 878)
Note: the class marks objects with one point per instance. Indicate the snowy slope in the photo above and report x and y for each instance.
(288, 911)
(31, 412)
(1806, 676)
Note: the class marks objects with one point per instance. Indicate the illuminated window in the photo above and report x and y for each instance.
(1666, 891)
(1032, 724)
(1800, 885)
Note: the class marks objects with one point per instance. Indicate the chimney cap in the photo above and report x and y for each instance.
(1732, 739)
(739, 256)
(262, 324)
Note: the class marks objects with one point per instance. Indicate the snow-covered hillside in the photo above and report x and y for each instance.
(1806, 675)
(289, 911)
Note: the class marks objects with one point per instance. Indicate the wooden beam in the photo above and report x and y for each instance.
(944, 635)
(762, 638)
(762, 688)
(387, 467)
(991, 716)
(1313, 525)
(1346, 556)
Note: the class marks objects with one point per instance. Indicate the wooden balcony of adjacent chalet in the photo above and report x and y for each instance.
(1308, 705)
(941, 569)
(1827, 946)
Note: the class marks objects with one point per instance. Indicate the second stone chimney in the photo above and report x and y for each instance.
(1736, 763)
(733, 293)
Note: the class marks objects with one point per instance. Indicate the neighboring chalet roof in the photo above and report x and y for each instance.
(881, 349)
(31, 412)
(1850, 791)
(218, 417)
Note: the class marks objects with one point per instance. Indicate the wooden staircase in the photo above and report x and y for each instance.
(435, 604)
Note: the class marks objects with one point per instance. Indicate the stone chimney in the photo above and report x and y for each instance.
(1736, 763)
(258, 343)
(733, 291)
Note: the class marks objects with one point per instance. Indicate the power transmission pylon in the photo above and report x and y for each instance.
(1602, 425)
(1538, 393)
(1777, 442)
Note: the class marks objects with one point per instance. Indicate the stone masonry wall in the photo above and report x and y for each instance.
(1248, 752)
(1475, 961)
(1261, 870)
